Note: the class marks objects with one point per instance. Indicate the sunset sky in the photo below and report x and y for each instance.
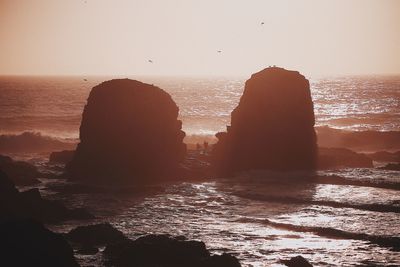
(181, 37)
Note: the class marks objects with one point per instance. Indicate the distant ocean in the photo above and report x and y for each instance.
(53, 105)
(260, 217)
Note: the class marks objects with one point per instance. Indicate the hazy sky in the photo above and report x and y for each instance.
(182, 36)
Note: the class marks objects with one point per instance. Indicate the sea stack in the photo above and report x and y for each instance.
(129, 133)
(272, 127)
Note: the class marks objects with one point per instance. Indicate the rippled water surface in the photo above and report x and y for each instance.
(53, 105)
(260, 217)
(230, 216)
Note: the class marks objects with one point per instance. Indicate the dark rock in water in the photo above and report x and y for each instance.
(61, 157)
(129, 133)
(297, 261)
(29, 243)
(385, 156)
(20, 172)
(272, 127)
(95, 235)
(30, 204)
(165, 251)
(358, 140)
(391, 167)
(336, 158)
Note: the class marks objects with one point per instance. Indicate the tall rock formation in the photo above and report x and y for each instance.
(272, 127)
(129, 133)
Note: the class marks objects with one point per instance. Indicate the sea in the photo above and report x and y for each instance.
(258, 216)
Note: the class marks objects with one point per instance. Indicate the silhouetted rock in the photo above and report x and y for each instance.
(30, 204)
(391, 167)
(32, 142)
(272, 127)
(358, 140)
(95, 235)
(20, 172)
(385, 156)
(29, 243)
(297, 261)
(165, 251)
(129, 133)
(336, 158)
(61, 157)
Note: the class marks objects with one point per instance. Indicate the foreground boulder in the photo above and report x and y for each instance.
(29, 243)
(30, 204)
(20, 172)
(272, 127)
(165, 251)
(336, 158)
(129, 133)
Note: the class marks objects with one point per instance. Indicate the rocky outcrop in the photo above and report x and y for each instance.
(385, 156)
(272, 127)
(29, 243)
(129, 133)
(391, 167)
(61, 157)
(20, 172)
(337, 158)
(30, 204)
(165, 251)
(358, 140)
(297, 261)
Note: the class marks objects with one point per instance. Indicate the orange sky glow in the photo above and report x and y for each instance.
(182, 37)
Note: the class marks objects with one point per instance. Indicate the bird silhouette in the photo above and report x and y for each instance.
(219, 51)
(262, 23)
(85, 80)
(150, 61)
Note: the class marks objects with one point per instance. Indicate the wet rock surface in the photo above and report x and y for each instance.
(129, 134)
(272, 127)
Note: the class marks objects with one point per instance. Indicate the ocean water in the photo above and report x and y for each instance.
(53, 105)
(260, 217)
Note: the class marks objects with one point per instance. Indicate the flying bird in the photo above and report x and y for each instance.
(150, 61)
(85, 80)
(219, 51)
(262, 23)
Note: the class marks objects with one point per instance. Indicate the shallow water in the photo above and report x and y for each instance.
(229, 216)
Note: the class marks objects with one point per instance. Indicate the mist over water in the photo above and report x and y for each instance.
(258, 216)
